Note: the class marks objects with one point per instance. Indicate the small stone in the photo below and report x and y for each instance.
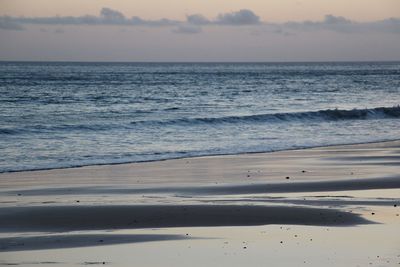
(287, 177)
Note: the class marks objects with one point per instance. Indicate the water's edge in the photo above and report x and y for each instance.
(198, 156)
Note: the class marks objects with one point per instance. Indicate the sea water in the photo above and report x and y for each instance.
(56, 115)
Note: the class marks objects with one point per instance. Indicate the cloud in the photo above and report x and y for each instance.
(194, 22)
(241, 17)
(187, 29)
(336, 20)
(7, 23)
(107, 16)
(344, 25)
(387, 25)
(111, 16)
(197, 19)
(330, 22)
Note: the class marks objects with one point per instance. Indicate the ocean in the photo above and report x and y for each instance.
(58, 115)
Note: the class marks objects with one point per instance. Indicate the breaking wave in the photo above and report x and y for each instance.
(320, 115)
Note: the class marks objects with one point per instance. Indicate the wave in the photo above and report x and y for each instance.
(320, 115)
(47, 129)
(294, 117)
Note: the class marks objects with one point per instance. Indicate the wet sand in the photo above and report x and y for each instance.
(331, 206)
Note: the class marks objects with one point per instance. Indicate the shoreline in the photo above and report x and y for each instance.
(312, 204)
(224, 169)
(197, 156)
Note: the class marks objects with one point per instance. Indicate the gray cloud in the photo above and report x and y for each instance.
(107, 17)
(335, 20)
(197, 19)
(341, 24)
(7, 23)
(193, 22)
(387, 25)
(241, 17)
(111, 16)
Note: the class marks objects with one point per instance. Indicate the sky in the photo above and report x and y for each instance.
(200, 30)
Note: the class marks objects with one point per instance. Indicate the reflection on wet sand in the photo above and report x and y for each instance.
(334, 206)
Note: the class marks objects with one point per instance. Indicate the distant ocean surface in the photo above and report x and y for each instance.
(56, 115)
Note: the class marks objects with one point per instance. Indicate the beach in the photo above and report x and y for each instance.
(323, 206)
(199, 133)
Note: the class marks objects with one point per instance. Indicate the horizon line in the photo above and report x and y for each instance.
(199, 62)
